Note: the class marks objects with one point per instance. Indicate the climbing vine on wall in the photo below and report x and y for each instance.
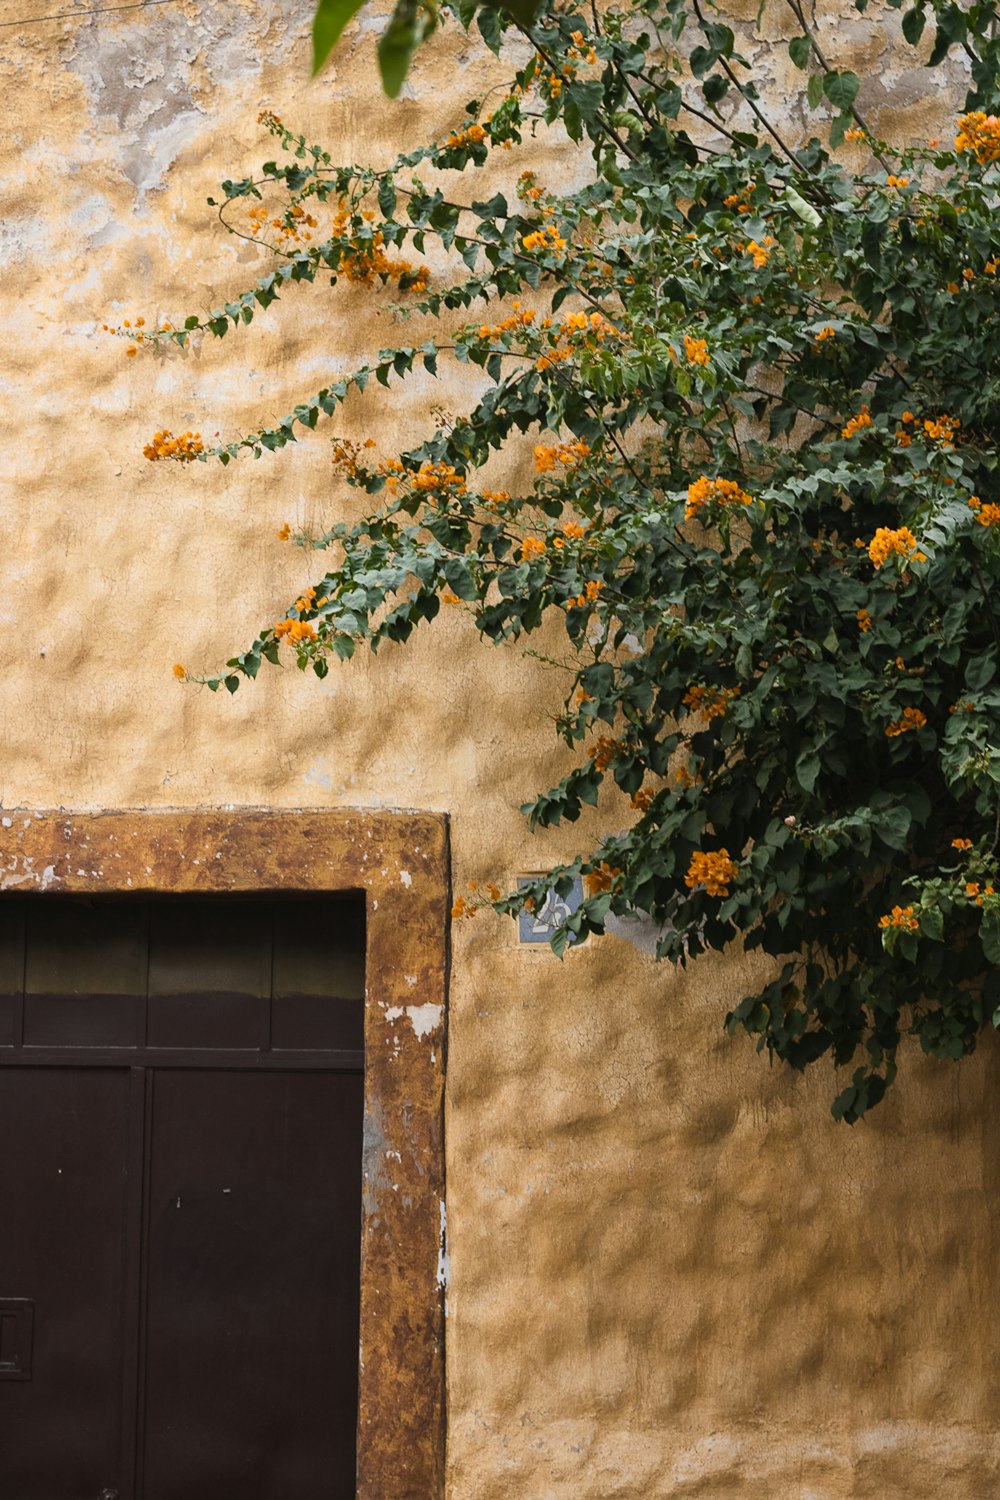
(755, 383)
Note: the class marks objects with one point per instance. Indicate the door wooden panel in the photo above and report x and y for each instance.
(181, 1101)
(253, 1283)
(64, 1137)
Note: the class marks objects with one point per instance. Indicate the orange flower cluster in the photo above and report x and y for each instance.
(590, 595)
(977, 892)
(364, 264)
(347, 455)
(941, 429)
(581, 48)
(887, 543)
(858, 423)
(695, 350)
(912, 718)
(715, 871)
(685, 778)
(532, 546)
(466, 907)
(980, 134)
(520, 318)
(296, 632)
(184, 448)
(761, 253)
(567, 454)
(825, 333)
(605, 751)
(986, 514)
(854, 134)
(864, 620)
(711, 702)
(284, 532)
(575, 532)
(961, 844)
(705, 491)
(739, 200)
(527, 187)
(642, 800)
(963, 706)
(438, 477)
(896, 182)
(493, 499)
(180, 672)
(601, 879)
(594, 329)
(289, 233)
(900, 916)
(548, 239)
(471, 135)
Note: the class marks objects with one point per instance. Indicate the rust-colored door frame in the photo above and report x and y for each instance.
(400, 860)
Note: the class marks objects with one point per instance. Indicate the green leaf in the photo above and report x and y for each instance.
(488, 21)
(715, 88)
(841, 89)
(802, 209)
(814, 91)
(807, 768)
(800, 51)
(328, 23)
(892, 825)
(523, 11)
(989, 936)
(397, 45)
(913, 26)
(932, 923)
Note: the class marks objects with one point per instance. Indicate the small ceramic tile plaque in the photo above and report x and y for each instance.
(538, 926)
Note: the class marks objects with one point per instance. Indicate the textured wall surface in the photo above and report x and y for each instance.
(672, 1274)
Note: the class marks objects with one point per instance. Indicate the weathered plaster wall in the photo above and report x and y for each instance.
(672, 1274)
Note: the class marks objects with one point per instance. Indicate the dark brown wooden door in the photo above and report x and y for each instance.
(253, 1278)
(64, 1138)
(180, 1200)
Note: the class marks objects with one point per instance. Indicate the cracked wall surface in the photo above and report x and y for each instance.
(671, 1274)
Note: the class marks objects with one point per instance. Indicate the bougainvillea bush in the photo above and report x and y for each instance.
(754, 384)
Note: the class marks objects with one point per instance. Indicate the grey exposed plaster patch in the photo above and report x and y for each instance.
(642, 932)
(374, 1157)
(144, 76)
(21, 239)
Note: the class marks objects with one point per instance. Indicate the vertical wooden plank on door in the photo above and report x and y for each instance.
(64, 1136)
(251, 1348)
(131, 1282)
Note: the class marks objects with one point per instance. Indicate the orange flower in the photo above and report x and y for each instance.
(858, 423)
(705, 491)
(714, 871)
(912, 718)
(179, 672)
(961, 843)
(887, 543)
(900, 916)
(712, 702)
(602, 878)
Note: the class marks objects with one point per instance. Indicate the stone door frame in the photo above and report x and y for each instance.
(401, 861)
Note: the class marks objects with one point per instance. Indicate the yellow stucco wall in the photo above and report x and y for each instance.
(672, 1274)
